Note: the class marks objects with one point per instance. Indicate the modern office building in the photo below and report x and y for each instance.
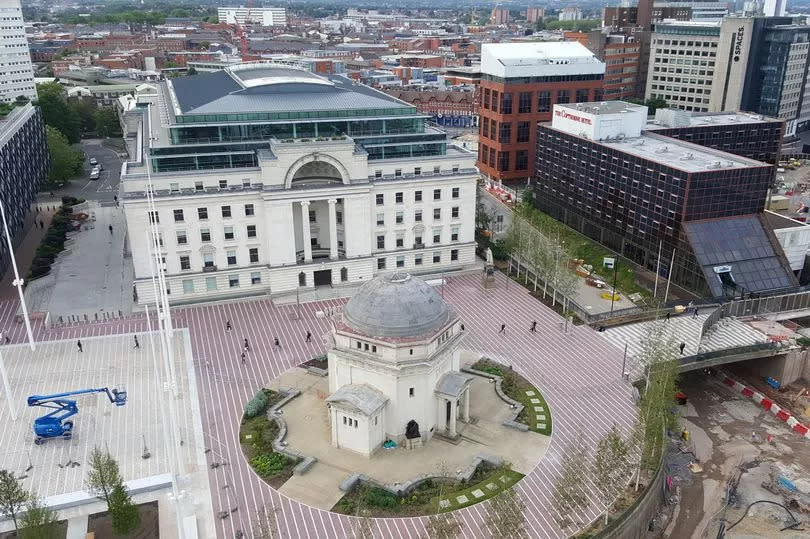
(16, 73)
(621, 55)
(520, 83)
(262, 16)
(269, 179)
(24, 165)
(742, 133)
(641, 193)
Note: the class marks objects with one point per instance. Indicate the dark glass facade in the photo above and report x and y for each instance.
(630, 204)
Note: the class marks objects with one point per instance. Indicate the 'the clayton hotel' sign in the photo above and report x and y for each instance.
(562, 113)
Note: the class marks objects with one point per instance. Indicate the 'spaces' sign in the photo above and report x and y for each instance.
(568, 116)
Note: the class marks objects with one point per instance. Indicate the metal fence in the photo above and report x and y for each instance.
(798, 301)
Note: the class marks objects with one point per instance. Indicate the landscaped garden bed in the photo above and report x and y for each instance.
(536, 413)
(319, 362)
(256, 436)
(429, 497)
(54, 241)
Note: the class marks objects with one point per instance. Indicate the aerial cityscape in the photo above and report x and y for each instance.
(374, 270)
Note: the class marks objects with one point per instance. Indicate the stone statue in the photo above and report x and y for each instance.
(412, 430)
(490, 261)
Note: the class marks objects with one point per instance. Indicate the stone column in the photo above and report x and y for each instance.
(307, 234)
(466, 416)
(453, 413)
(333, 240)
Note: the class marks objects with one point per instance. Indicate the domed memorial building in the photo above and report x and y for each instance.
(394, 367)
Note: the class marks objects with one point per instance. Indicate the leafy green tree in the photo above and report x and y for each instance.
(57, 112)
(13, 496)
(609, 468)
(65, 161)
(191, 71)
(39, 522)
(124, 513)
(105, 482)
(505, 516)
(654, 104)
(568, 497)
(85, 110)
(106, 122)
(204, 45)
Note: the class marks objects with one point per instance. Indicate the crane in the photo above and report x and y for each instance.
(53, 424)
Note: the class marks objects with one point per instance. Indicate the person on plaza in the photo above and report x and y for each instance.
(682, 346)
(79, 346)
(228, 325)
(276, 343)
(533, 329)
(309, 337)
(695, 313)
(503, 329)
(669, 315)
(137, 344)
(247, 346)
(462, 327)
(243, 358)
(110, 227)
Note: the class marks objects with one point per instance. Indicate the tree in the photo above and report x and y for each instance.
(65, 161)
(442, 525)
(57, 112)
(654, 104)
(191, 71)
(609, 468)
(105, 482)
(13, 496)
(85, 111)
(505, 517)
(106, 120)
(266, 526)
(568, 497)
(204, 45)
(39, 522)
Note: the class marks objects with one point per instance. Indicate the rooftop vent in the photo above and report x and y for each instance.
(688, 156)
(662, 149)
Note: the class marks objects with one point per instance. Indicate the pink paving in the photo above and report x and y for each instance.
(578, 374)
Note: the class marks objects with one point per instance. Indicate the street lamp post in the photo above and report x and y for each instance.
(17, 281)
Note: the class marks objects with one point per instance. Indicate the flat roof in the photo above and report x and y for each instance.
(715, 118)
(538, 58)
(268, 88)
(605, 107)
(679, 154)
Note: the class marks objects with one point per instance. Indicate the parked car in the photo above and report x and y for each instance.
(94, 174)
(93, 161)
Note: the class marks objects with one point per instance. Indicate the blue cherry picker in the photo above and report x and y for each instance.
(54, 424)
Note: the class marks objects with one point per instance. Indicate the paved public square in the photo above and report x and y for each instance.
(578, 373)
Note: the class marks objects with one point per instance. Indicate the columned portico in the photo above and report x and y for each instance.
(333, 239)
(307, 234)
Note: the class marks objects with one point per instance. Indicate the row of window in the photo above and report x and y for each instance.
(418, 259)
(202, 213)
(205, 234)
(212, 285)
(502, 102)
(208, 259)
(503, 132)
(399, 217)
(417, 239)
(500, 160)
(417, 171)
(399, 197)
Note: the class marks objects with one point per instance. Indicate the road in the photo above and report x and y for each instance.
(106, 187)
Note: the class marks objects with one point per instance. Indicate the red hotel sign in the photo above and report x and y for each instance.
(569, 116)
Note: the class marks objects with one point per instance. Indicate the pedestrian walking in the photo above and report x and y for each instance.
(228, 325)
(695, 313)
(309, 337)
(42, 224)
(669, 315)
(8, 339)
(462, 327)
(247, 345)
(137, 344)
(79, 346)
(110, 227)
(533, 329)
(243, 358)
(276, 343)
(503, 329)
(682, 346)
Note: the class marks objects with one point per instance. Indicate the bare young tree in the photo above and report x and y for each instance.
(505, 516)
(266, 526)
(13, 496)
(569, 498)
(442, 525)
(610, 468)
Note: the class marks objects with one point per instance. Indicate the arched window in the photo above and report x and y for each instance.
(302, 279)
(344, 275)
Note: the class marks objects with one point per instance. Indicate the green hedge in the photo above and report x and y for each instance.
(257, 405)
(269, 465)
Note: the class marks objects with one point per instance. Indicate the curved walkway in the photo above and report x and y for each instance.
(577, 372)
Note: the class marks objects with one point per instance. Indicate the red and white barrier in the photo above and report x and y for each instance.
(767, 404)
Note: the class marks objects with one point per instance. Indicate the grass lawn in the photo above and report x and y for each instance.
(425, 499)
(518, 388)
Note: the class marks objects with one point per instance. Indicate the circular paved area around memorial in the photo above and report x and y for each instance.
(577, 372)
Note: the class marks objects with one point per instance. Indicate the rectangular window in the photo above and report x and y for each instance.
(410, 392)
(456, 192)
(380, 219)
(202, 213)
(223, 184)
(210, 283)
(256, 277)
(417, 196)
(437, 257)
(339, 217)
(380, 242)
(437, 169)
(454, 212)
(208, 260)
(581, 95)
(313, 217)
(437, 214)
(181, 237)
(486, 98)
(185, 262)
(245, 183)
(506, 103)
(417, 216)
(380, 263)
(380, 200)
(524, 102)
(249, 210)
(231, 255)
(251, 231)
(563, 96)
(378, 174)
(523, 131)
(400, 218)
(505, 134)
(154, 217)
(254, 254)
(503, 161)
(174, 187)
(437, 237)
(400, 261)
(188, 286)
(454, 234)
(398, 197)
(437, 194)
(226, 211)
(233, 281)
(178, 216)
(417, 171)
(228, 232)
(400, 240)
(417, 242)
(454, 255)
(198, 186)
(522, 160)
(205, 234)
(544, 101)
(417, 260)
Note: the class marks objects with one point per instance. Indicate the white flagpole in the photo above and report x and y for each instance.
(17, 281)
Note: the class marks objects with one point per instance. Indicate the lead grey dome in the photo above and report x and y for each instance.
(396, 305)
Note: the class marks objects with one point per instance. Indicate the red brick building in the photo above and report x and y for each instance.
(621, 54)
(520, 83)
(437, 102)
